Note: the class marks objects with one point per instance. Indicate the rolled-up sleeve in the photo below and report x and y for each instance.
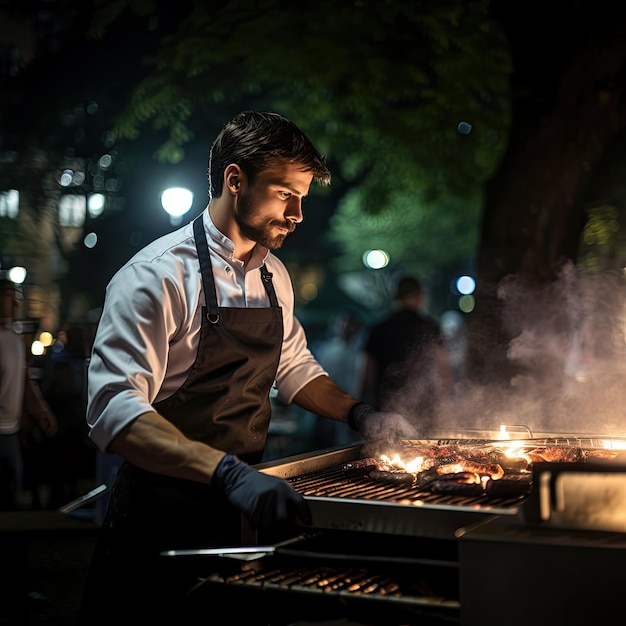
(130, 354)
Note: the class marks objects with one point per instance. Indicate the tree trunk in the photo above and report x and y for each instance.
(527, 300)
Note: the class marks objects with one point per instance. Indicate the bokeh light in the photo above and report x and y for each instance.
(465, 285)
(90, 240)
(95, 204)
(464, 128)
(177, 201)
(467, 304)
(46, 339)
(375, 259)
(37, 348)
(17, 274)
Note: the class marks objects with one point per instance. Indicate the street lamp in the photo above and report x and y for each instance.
(17, 274)
(176, 201)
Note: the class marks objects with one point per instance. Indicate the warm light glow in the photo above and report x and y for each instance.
(37, 348)
(614, 444)
(308, 291)
(46, 339)
(413, 466)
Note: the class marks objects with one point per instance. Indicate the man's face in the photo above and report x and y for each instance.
(269, 210)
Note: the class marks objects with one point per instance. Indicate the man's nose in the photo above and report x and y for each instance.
(294, 211)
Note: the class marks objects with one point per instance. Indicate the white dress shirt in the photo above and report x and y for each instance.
(148, 334)
(12, 377)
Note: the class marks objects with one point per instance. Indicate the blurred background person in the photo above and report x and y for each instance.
(341, 355)
(21, 402)
(69, 455)
(454, 334)
(407, 365)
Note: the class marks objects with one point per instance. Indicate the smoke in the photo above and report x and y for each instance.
(567, 359)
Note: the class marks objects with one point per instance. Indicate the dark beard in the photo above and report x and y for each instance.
(260, 235)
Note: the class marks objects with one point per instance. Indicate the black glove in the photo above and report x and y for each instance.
(265, 500)
(374, 424)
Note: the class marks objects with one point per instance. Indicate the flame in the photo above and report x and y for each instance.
(414, 466)
(517, 453)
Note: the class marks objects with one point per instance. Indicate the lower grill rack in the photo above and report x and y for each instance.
(340, 581)
(400, 580)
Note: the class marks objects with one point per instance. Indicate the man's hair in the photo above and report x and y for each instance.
(256, 141)
(408, 285)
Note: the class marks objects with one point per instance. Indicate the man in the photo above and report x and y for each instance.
(195, 330)
(19, 398)
(407, 367)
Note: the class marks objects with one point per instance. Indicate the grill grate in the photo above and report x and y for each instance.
(347, 581)
(573, 441)
(333, 483)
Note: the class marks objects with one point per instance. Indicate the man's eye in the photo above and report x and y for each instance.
(285, 194)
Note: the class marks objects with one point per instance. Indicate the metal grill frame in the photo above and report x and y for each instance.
(393, 509)
(441, 517)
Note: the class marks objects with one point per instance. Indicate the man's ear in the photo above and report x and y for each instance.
(233, 176)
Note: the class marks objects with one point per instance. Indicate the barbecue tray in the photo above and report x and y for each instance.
(561, 493)
(390, 554)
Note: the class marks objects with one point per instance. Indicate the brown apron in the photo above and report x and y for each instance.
(225, 403)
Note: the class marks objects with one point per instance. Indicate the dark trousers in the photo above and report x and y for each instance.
(148, 515)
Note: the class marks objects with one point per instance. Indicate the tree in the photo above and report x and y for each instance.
(567, 114)
(401, 96)
(56, 111)
(412, 104)
(385, 88)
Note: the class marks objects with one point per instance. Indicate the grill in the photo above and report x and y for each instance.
(389, 554)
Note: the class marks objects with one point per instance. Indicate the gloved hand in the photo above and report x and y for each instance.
(374, 424)
(265, 500)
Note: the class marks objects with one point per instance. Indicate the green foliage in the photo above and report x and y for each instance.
(602, 241)
(394, 78)
(380, 86)
(110, 10)
(420, 235)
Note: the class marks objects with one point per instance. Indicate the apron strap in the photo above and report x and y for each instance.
(269, 286)
(207, 270)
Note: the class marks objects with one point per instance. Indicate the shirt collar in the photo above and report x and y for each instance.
(221, 244)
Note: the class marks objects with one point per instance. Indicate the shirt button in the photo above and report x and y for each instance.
(228, 270)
